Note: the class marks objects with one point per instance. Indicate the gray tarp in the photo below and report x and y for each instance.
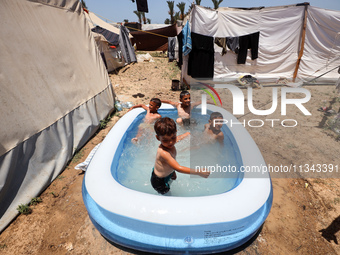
(54, 90)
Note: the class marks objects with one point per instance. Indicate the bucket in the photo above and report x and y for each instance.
(175, 85)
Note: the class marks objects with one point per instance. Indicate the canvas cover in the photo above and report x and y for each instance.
(279, 42)
(155, 39)
(54, 92)
(112, 56)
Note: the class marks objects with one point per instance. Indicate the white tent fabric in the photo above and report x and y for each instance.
(94, 20)
(279, 43)
(54, 91)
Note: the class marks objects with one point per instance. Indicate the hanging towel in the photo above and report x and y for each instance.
(142, 6)
(187, 43)
(171, 48)
(246, 42)
(201, 57)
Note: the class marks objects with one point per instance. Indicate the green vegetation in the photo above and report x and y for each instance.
(60, 177)
(103, 123)
(54, 194)
(78, 154)
(24, 209)
(35, 200)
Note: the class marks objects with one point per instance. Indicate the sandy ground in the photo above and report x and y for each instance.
(305, 216)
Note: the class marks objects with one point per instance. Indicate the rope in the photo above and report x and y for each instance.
(147, 32)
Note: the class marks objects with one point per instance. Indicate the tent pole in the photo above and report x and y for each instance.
(303, 36)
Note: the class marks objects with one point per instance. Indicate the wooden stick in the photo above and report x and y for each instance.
(302, 43)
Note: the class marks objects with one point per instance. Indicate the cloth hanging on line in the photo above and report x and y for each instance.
(201, 57)
(125, 45)
(142, 5)
(180, 48)
(228, 42)
(187, 41)
(246, 42)
(171, 48)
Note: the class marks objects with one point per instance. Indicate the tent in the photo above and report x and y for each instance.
(295, 42)
(54, 92)
(114, 43)
(111, 55)
(155, 39)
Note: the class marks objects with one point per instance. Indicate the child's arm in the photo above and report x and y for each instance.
(170, 102)
(220, 138)
(182, 169)
(181, 137)
(200, 102)
(139, 105)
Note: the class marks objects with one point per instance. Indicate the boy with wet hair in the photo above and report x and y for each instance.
(183, 107)
(151, 115)
(165, 164)
(213, 128)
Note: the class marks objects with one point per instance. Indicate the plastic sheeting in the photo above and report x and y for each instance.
(279, 44)
(54, 92)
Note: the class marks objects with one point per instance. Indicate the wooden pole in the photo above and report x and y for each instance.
(303, 36)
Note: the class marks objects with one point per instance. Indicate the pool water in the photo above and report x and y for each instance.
(135, 161)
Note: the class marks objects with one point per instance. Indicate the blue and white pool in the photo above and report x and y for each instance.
(198, 215)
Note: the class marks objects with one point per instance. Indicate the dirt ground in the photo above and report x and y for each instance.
(305, 215)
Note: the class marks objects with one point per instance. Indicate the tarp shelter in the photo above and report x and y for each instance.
(54, 92)
(153, 40)
(296, 39)
(115, 45)
(110, 52)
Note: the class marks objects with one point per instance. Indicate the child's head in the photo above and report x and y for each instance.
(154, 104)
(184, 97)
(166, 131)
(215, 124)
(184, 93)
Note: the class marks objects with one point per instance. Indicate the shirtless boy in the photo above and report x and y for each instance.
(183, 107)
(166, 165)
(151, 115)
(213, 128)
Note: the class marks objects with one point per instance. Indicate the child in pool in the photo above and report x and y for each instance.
(151, 116)
(165, 164)
(213, 128)
(183, 108)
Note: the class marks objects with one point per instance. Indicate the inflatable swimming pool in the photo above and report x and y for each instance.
(168, 224)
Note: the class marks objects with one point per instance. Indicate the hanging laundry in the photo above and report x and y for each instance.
(201, 57)
(222, 42)
(180, 48)
(228, 42)
(142, 5)
(233, 44)
(246, 42)
(187, 42)
(171, 48)
(125, 44)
